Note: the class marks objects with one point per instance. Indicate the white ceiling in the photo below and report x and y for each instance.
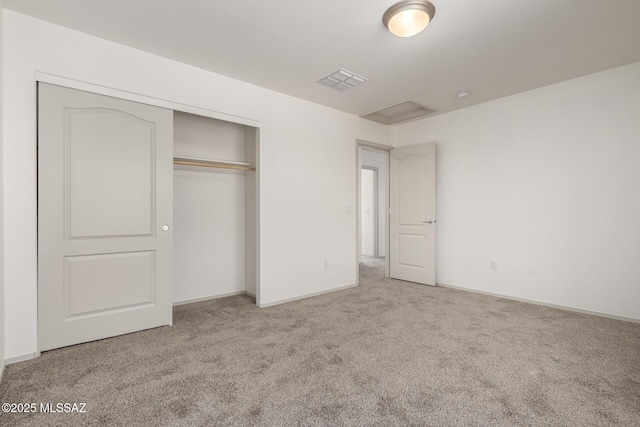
(493, 48)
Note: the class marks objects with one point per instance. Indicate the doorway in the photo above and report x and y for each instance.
(373, 176)
(406, 180)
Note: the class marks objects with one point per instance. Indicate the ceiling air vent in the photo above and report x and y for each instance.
(342, 80)
(399, 113)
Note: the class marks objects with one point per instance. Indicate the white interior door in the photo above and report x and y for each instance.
(104, 215)
(368, 212)
(412, 233)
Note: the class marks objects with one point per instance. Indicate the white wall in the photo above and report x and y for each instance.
(198, 136)
(307, 162)
(378, 159)
(548, 177)
(368, 212)
(2, 299)
(208, 233)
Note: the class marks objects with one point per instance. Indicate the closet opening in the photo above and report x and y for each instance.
(215, 190)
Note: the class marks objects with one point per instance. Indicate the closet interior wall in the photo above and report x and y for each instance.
(214, 249)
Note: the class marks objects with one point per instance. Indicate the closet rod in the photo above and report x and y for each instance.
(206, 164)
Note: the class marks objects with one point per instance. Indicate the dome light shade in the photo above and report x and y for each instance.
(408, 17)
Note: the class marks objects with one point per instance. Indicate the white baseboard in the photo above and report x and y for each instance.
(22, 357)
(192, 300)
(305, 296)
(545, 304)
(2, 366)
(251, 294)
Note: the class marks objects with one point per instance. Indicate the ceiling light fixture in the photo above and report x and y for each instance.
(463, 94)
(408, 17)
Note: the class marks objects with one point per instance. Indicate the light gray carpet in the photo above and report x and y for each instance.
(387, 353)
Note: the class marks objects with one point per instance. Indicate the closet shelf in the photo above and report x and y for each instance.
(211, 163)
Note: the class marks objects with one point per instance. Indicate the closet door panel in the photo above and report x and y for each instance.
(96, 140)
(104, 197)
(94, 283)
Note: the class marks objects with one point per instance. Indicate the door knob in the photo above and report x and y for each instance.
(429, 221)
(165, 227)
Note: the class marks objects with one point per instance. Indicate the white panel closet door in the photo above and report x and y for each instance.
(105, 183)
(412, 234)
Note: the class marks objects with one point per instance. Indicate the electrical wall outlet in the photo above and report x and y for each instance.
(326, 263)
(493, 265)
(532, 268)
